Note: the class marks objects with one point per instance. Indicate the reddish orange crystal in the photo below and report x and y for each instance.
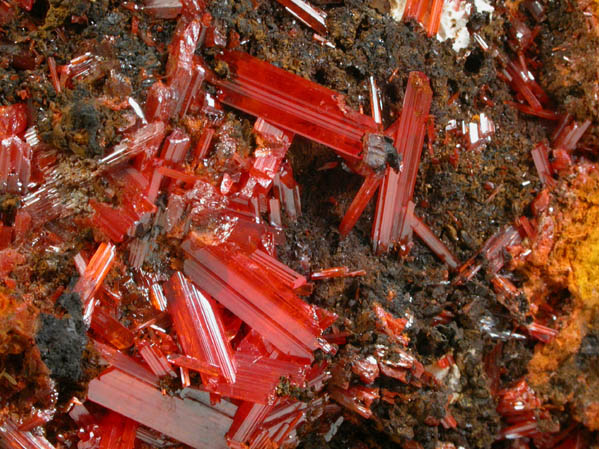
(293, 103)
(199, 326)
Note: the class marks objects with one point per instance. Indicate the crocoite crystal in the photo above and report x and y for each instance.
(117, 432)
(392, 220)
(185, 420)
(426, 12)
(94, 275)
(310, 15)
(272, 310)
(293, 103)
(199, 326)
(13, 120)
(13, 438)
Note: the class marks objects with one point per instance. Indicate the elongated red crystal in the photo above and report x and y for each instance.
(293, 103)
(384, 217)
(367, 190)
(163, 9)
(160, 102)
(110, 329)
(286, 324)
(117, 432)
(357, 399)
(175, 146)
(285, 274)
(392, 220)
(114, 223)
(329, 273)
(540, 157)
(541, 333)
(288, 192)
(183, 77)
(146, 139)
(434, 243)
(201, 149)
(154, 358)
(522, 82)
(187, 421)
(409, 141)
(199, 326)
(479, 131)
(492, 252)
(94, 275)
(15, 165)
(310, 15)
(568, 137)
(124, 363)
(542, 113)
(257, 377)
(426, 12)
(434, 19)
(247, 420)
(13, 438)
(201, 366)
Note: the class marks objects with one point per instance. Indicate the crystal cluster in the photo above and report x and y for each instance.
(224, 336)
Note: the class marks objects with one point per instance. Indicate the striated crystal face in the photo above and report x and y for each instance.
(199, 326)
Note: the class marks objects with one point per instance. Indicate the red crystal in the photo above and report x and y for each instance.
(126, 364)
(201, 149)
(13, 438)
(427, 12)
(13, 120)
(392, 220)
(391, 326)
(336, 272)
(357, 399)
(183, 76)
(542, 333)
(175, 146)
(367, 369)
(541, 159)
(287, 191)
(293, 103)
(367, 190)
(433, 242)
(163, 9)
(114, 223)
(281, 271)
(199, 326)
(480, 131)
(159, 102)
(15, 165)
(568, 137)
(276, 313)
(184, 420)
(117, 432)
(187, 362)
(246, 422)
(146, 139)
(110, 329)
(536, 9)
(308, 14)
(154, 358)
(94, 275)
(542, 113)
(257, 377)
